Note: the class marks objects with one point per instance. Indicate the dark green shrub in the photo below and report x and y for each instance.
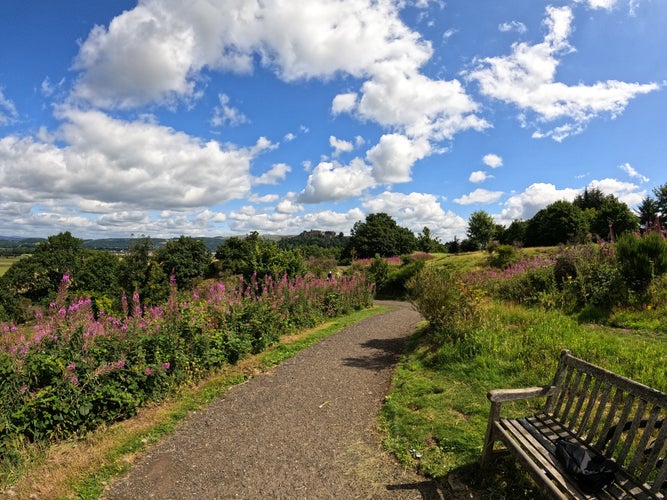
(641, 258)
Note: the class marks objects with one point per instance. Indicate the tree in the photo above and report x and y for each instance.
(560, 222)
(187, 258)
(428, 243)
(380, 235)
(613, 218)
(514, 234)
(481, 228)
(254, 254)
(139, 272)
(593, 198)
(648, 212)
(661, 201)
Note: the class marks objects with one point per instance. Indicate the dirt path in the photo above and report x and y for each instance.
(305, 430)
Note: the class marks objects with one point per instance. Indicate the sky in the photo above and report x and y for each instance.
(221, 117)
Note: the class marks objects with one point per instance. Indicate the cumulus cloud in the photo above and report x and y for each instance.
(479, 196)
(277, 173)
(627, 192)
(340, 146)
(105, 164)
(416, 210)
(524, 205)
(478, 176)
(527, 79)
(392, 158)
(330, 181)
(493, 161)
(344, 103)
(598, 4)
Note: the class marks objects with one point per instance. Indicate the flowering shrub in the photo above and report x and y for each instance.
(77, 370)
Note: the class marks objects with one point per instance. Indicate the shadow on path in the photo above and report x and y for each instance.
(383, 353)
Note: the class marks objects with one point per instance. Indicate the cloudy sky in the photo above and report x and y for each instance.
(221, 117)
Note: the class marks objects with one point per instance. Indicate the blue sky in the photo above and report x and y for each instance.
(221, 117)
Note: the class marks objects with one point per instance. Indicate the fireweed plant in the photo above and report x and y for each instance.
(77, 370)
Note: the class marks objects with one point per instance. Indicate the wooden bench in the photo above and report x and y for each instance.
(612, 415)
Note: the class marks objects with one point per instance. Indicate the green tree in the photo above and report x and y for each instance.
(648, 212)
(560, 222)
(481, 228)
(187, 258)
(139, 272)
(380, 235)
(613, 218)
(254, 254)
(661, 201)
(428, 243)
(593, 198)
(514, 234)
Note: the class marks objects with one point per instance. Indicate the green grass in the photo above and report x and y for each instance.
(438, 407)
(5, 263)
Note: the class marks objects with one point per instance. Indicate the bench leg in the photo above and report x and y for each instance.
(490, 438)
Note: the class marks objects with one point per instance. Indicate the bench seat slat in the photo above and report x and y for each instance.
(534, 439)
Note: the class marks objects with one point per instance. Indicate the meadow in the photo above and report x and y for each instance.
(436, 413)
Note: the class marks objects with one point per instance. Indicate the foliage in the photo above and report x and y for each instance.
(501, 256)
(438, 408)
(256, 255)
(515, 234)
(77, 370)
(641, 258)
(560, 222)
(380, 235)
(186, 258)
(446, 302)
(395, 284)
(428, 243)
(481, 228)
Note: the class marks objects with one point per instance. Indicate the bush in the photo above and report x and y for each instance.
(641, 259)
(77, 370)
(448, 303)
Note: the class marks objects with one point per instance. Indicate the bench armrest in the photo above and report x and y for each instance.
(502, 395)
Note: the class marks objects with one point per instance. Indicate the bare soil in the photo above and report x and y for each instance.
(307, 429)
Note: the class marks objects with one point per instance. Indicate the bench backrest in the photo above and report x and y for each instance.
(618, 417)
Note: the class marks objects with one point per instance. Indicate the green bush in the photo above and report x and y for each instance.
(641, 259)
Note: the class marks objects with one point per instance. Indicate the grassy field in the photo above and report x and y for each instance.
(436, 414)
(5, 263)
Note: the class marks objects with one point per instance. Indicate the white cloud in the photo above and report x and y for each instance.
(224, 114)
(340, 146)
(479, 196)
(478, 176)
(331, 181)
(417, 210)
(526, 78)
(393, 157)
(277, 173)
(598, 4)
(344, 103)
(537, 196)
(8, 113)
(627, 192)
(517, 26)
(630, 170)
(493, 161)
(110, 163)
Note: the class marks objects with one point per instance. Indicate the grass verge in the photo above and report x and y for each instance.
(83, 468)
(435, 416)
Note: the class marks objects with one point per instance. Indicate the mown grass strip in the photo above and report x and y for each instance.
(82, 469)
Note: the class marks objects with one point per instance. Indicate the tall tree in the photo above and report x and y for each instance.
(481, 228)
(661, 202)
(648, 212)
(380, 235)
(560, 222)
(187, 258)
(613, 218)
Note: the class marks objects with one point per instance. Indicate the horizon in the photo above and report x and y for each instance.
(223, 118)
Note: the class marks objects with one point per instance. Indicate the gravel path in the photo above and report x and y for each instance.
(305, 430)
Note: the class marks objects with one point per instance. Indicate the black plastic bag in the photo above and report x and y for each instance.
(593, 472)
